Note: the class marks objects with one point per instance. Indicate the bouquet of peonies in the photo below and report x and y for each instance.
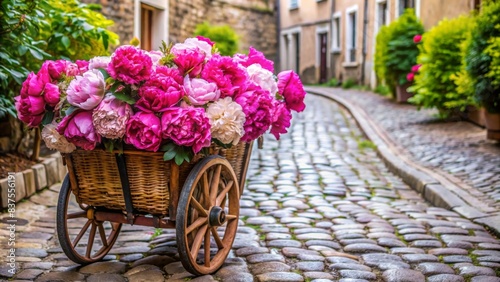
(178, 100)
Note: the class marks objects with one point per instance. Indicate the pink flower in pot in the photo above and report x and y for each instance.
(410, 76)
(417, 38)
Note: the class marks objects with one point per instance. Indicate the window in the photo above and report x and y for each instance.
(405, 4)
(351, 35)
(294, 4)
(382, 14)
(151, 23)
(336, 33)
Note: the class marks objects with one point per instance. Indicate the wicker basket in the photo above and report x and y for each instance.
(95, 178)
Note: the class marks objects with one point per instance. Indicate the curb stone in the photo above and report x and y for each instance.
(434, 187)
(42, 175)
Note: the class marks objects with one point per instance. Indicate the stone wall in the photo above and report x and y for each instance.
(184, 15)
(122, 13)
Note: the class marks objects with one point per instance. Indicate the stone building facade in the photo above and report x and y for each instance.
(175, 20)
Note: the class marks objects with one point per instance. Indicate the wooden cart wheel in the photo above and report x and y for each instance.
(207, 215)
(83, 239)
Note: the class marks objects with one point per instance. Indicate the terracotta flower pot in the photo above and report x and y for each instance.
(492, 125)
(475, 115)
(402, 94)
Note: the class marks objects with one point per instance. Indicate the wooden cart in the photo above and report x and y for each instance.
(199, 199)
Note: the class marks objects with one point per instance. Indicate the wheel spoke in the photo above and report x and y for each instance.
(198, 207)
(77, 214)
(198, 239)
(222, 194)
(91, 240)
(207, 248)
(206, 190)
(230, 217)
(80, 235)
(197, 223)
(103, 234)
(217, 238)
(214, 185)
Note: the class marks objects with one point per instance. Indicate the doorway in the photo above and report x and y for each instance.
(322, 58)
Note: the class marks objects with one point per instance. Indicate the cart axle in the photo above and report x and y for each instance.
(138, 220)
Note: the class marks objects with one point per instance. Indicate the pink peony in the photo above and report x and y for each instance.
(204, 39)
(257, 106)
(193, 44)
(30, 109)
(130, 65)
(416, 68)
(56, 68)
(86, 91)
(72, 69)
(263, 78)
(51, 94)
(200, 91)
(226, 73)
(410, 76)
(189, 61)
(290, 87)
(417, 38)
(186, 127)
(281, 119)
(155, 57)
(144, 131)
(162, 90)
(79, 130)
(83, 66)
(111, 116)
(101, 62)
(33, 85)
(255, 57)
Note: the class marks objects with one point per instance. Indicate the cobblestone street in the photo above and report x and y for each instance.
(319, 205)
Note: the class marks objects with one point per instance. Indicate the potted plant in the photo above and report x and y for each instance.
(397, 52)
(483, 65)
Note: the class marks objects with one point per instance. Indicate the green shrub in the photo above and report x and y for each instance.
(483, 57)
(382, 90)
(332, 82)
(224, 36)
(395, 52)
(441, 61)
(349, 83)
(33, 31)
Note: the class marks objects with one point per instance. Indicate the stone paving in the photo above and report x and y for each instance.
(318, 206)
(453, 147)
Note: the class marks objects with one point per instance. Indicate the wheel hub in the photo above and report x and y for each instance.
(217, 216)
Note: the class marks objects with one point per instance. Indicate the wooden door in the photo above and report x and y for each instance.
(323, 60)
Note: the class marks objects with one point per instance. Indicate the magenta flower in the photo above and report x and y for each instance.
(130, 65)
(86, 91)
(200, 91)
(155, 57)
(290, 87)
(194, 44)
(417, 38)
(72, 69)
(226, 73)
(410, 76)
(255, 57)
(416, 68)
(144, 131)
(111, 116)
(189, 61)
(83, 66)
(161, 91)
(204, 39)
(30, 109)
(281, 117)
(257, 104)
(79, 130)
(101, 62)
(51, 94)
(186, 127)
(33, 85)
(56, 68)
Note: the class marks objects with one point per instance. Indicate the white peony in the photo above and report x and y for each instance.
(262, 77)
(55, 141)
(193, 44)
(226, 121)
(99, 62)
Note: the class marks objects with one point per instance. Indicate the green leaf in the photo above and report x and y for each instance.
(169, 155)
(167, 147)
(47, 118)
(124, 97)
(65, 41)
(179, 159)
(70, 110)
(36, 54)
(104, 73)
